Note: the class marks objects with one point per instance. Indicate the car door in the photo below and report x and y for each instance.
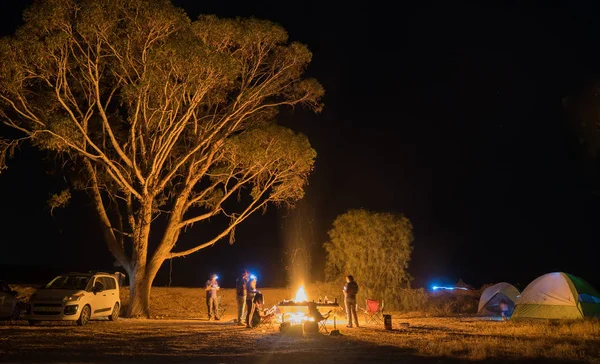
(101, 303)
(111, 291)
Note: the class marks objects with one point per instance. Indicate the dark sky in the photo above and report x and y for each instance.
(447, 111)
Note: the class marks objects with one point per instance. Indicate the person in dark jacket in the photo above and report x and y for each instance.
(240, 288)
(350, 291)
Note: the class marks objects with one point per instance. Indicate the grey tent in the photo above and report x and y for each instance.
(491, 297)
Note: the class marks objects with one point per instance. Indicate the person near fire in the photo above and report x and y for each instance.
(350, 290)
(251, 292)
(212, 300)
(240, 289)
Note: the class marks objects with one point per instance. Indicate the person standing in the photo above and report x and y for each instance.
(350, 291)
(240, 289)
(212, 301)
(251, 292)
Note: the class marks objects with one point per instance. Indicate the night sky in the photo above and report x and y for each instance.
(447, 111)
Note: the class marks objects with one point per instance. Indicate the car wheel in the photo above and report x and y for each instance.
(115, 313)
(34, 322)
(16, 313)
(84, 318)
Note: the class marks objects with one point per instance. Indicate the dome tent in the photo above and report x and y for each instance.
(489, 303)
(558, 296)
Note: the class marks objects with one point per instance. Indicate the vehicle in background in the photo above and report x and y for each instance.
(76, 297)
(10, 306)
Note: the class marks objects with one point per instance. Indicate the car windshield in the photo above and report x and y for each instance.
(69, 282)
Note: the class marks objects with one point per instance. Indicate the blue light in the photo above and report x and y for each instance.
(216, 277)
(435, 288)
(252, 276)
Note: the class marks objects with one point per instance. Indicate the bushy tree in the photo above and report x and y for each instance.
(158, 116)
(373, 247)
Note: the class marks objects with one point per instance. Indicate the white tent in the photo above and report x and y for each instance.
(491, 297)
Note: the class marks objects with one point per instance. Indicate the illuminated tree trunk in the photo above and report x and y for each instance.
(140, 288)
(139, 295)
(144, 275)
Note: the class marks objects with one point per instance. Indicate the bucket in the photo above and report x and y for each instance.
(387, 322)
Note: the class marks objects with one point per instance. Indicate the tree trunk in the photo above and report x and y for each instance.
(140, 285)
(139, 295)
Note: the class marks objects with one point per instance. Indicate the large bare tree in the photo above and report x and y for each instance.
(160, 115)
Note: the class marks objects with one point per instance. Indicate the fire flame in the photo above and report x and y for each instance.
(301, 295)
(297, 318)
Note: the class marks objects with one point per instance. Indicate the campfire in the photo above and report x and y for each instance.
(296, 313)
(301, 295)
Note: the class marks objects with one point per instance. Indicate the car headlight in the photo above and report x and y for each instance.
(75, 297)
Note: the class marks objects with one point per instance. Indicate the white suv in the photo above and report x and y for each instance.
(76, 297)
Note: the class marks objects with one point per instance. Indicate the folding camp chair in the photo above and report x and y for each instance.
(266, 317)
(323, 322)
(318, 317)
(373, 311)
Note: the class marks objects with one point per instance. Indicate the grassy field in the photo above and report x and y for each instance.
(180, 332)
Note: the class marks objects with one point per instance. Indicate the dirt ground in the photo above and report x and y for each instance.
(180, 333)
(191, 341)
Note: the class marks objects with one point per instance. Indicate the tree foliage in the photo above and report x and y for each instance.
(158, 115)
(373, 247)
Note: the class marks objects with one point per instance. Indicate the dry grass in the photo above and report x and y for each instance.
(476, 339)
(182, 334)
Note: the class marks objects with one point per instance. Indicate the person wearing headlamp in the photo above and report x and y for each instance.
(212, 301)
(251, 292)
(241, 285)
